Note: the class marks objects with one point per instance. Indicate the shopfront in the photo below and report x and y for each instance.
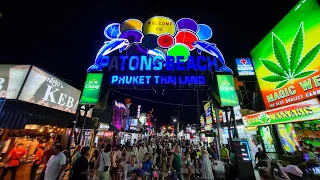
(38, 106)
(285, 128)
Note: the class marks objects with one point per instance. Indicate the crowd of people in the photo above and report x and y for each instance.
(155, 158)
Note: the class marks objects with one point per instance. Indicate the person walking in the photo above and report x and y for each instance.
(104, 163)
(36, 162)
(56, 164)
(176, 163)
(206, 166)
(79, 170)
(13, 161)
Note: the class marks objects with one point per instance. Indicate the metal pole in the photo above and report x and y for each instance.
(83, 123)
(218, 132)
(229, 128)
(236, 134)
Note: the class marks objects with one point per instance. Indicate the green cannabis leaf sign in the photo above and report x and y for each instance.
(289, 68)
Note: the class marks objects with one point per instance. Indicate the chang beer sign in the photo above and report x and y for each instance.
(302, 111)
(91, 91)
(287, 60)
(227, 92)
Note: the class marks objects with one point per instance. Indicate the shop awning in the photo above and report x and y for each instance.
(16, 114)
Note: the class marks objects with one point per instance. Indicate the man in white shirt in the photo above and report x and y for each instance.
(56, 164)
(135, 150)
(142, 151)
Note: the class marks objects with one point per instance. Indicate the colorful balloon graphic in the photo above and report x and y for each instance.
(133, 36)
(205, 32)
(149, 41)
(187, 38)
(165, 40)
(179, 50)
(136, 50)
(112, 31)
(187, 24)
(159, 25)
(131, 24)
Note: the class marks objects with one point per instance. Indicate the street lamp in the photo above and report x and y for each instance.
(174, 120)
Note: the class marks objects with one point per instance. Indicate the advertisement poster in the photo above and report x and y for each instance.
(91, 90)
(46, 90)
(11, 80)
(288, 137)
(287, 60)
(267, 138)
(227, 92)
(208, 116)
(302, 111)
(244, 66)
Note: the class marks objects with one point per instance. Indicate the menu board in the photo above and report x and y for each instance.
(46, 90)
(11, 80)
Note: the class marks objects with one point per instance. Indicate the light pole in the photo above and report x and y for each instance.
(176, 122)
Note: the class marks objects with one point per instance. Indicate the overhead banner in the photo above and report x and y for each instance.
(46, 90)
(91, 90)
(11, 80)
(227, 92)
(208, 116)
(302, 111)
(287, 60)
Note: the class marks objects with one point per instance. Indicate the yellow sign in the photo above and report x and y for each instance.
(159, 25)
(131, 24)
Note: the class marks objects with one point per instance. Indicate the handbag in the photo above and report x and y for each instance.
(105, 168)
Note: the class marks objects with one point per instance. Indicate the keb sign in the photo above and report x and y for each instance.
(159, 44)
(287, 60)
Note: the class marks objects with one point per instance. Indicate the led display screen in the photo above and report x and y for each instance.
(287, 60)
(91, 90)
(227, 92)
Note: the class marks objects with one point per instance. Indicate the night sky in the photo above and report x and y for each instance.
(63, 38)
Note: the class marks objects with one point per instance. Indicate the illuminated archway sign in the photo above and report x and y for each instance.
(160, 50)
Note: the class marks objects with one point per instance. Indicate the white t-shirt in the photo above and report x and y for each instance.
(53, 166)
(142, 151)
(104, 161)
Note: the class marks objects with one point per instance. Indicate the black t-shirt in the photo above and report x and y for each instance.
(79, 168)
(261, 155)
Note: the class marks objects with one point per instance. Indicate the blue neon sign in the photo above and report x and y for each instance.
(154, 47)
(145, 63)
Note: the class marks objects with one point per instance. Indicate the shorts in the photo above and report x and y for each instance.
(189, 163)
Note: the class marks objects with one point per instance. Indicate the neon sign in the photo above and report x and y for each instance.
(159, 44)
(119, 105)
(138, 111)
